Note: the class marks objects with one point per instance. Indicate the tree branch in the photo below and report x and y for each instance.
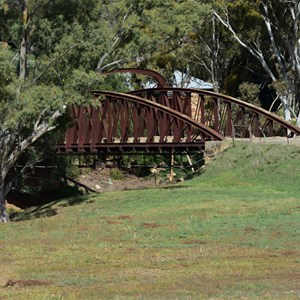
(115, 41)
(38, 131)
(295, 12)
(255, 52)
(278, 55)
(66, 51)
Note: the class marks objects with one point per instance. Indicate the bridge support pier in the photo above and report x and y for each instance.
(172, 173)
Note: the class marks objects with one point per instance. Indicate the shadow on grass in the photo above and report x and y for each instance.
(174, 187)
(49, 209)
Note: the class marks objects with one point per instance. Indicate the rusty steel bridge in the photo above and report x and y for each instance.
(165, 119)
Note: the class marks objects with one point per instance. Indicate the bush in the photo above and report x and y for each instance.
(116, 174)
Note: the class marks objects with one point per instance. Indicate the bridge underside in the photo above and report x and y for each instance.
(119, 148)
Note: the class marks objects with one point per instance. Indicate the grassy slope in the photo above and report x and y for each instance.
(232, 233)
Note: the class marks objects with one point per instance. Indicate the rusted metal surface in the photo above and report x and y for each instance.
(166, 119)
(124, 122)
(162, 82)
(225, 114)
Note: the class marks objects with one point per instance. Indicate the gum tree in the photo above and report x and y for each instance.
(28, 111)
(49, 53)
(273, 39)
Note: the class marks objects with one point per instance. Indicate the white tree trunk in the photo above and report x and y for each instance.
(287, 64)
(4, 218)
(23, 50)
(298, 120)
(11, 153)
(286, 108)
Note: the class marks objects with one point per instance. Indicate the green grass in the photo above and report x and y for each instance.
(232, 233)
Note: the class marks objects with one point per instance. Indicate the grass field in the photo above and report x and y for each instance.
(231, 233)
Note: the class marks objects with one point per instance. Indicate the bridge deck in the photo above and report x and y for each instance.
(130, 147)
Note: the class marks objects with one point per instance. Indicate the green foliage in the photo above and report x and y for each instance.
(66, 167)
(116, 174)
(249, 92)
(6, 86)
(65, 41)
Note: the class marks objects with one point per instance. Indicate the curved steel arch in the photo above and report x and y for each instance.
(162, 82)
(182, 100)
(216, 97)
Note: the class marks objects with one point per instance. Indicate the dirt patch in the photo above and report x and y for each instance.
(24, 283)
(101, 181)
(13, 208)
(151, 225)
(124, 217)
(249, 230)
(98, 180)
(277, 233)
(112, 222)
(195, 242)
(289, 253)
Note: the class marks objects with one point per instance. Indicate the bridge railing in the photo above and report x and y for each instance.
(124, 122)
(166, 118)
(226, 115)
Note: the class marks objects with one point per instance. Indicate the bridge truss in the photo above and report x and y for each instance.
(165, 119)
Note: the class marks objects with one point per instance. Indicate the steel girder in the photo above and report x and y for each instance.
(162, 82)
(124, 122)
(226, 115)
(165, 119)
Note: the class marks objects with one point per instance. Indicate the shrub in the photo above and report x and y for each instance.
(116, 174)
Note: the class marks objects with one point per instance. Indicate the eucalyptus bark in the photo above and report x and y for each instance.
(13, 149)
(24, 42)
(10, 154)
(215, 56)
(286, 55)
(4, 218)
